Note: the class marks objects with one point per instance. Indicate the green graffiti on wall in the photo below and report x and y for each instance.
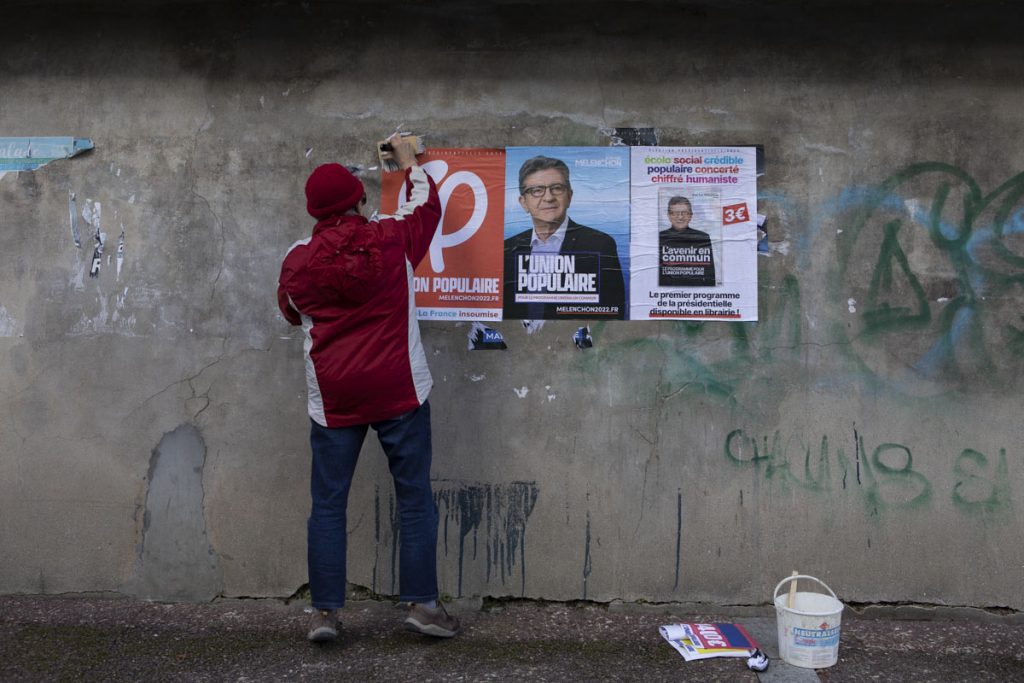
(710, 361)
(884, 480)
(981, 486)
(929, 272)
(933, 271)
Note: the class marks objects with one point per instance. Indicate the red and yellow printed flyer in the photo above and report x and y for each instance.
(461, 276)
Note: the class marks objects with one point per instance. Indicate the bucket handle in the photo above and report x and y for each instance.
(803, 576)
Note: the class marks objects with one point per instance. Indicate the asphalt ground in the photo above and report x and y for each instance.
(65, 638)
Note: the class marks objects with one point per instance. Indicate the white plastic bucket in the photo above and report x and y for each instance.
(809, 630)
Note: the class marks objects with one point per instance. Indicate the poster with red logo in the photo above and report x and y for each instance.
(461, 276)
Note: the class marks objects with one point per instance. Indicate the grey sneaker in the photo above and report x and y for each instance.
(432, 622)
(323, 625)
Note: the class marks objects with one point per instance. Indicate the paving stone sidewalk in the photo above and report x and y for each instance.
(118, 639)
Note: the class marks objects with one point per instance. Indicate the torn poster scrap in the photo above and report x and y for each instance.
(631, 137)
(28, 154)
(483, 338)
(120, 252)
(582, 338)
(76, 237)
(532, 326)
(704, 641)
(99, 236)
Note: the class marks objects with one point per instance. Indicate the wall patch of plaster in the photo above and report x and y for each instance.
(175, 560)
(9, 327)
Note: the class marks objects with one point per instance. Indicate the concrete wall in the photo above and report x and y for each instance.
(868, 430)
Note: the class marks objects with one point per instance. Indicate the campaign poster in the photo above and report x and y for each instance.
(566, 251)
(461, 276)
(693, 233)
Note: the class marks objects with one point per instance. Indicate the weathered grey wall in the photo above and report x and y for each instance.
(868, 430)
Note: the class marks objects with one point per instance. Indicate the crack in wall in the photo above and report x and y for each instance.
(216, 217)
(184, 380)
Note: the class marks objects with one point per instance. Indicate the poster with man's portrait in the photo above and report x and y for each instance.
(693, 235)
(566, 250)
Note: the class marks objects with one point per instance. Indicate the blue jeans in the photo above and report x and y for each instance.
(406, 442)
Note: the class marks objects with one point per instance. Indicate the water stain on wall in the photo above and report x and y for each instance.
(465, 509)
(501, 512)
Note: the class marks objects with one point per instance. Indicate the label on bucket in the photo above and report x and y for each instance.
(815, 637)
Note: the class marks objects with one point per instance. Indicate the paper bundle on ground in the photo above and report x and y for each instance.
(703, 641)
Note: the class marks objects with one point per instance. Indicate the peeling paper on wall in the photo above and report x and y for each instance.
(631, 137)
(28, 154)
(92, 214)
(483, 338)
(120, 252)
(532, 326)
(582, 338)
(73, 211)
(762, 234)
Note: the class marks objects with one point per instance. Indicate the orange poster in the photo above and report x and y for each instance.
(461, 276)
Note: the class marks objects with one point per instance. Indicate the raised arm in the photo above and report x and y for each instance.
(420, 211)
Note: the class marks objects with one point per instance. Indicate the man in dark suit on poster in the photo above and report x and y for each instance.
(685, 255)
(574, 268)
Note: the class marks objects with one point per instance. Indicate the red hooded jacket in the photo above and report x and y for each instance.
(350, 287)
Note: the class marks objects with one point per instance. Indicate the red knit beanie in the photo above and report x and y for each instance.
(331, 190)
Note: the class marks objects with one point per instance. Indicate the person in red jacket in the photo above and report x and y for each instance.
(350, 287)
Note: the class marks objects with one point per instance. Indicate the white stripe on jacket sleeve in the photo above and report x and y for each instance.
(417, 198)
(417, 356)
(315, 400)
